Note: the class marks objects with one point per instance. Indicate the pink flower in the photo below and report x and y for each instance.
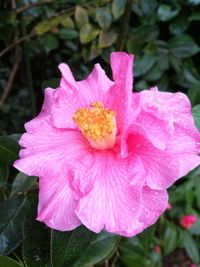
(193, 265)
(105, 156)
(157, 249)
(188, 220)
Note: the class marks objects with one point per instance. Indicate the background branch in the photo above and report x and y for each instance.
(28, 6)
(17, 42)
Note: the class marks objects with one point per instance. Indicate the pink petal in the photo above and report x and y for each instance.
(113, 202)
(164, 167)
(49, 148)
(120, 95)
(73, 95)
(154, 203)
(56, 203)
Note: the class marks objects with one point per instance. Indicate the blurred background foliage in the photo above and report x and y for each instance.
(35, 36)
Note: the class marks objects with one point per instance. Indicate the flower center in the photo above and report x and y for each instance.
(98, 125)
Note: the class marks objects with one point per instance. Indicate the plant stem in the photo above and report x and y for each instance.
(124, 25)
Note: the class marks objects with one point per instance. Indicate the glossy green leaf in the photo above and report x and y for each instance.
(194, 16)
(170, 238)
(146, 237)
(98, 250)
(9, 149)
(66, 21)
(67, 34)
(8, 262)
(42, 27)
(12, 214)
(35, 246)
(194, 2)
(4, 171)
(196, 115)
(190, 246)
(88, 33)
(23, 182)
(103, 17)
(81, 16)
(183, 46)
(167, 12)
(107, 38)
(66, 247)
(118, 7)
(143, 65)
(179, 25)
(50, 42)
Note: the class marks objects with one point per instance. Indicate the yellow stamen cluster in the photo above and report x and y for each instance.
(96, 122)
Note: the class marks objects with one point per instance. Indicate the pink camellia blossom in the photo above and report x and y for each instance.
(188, 220)
(105, 156)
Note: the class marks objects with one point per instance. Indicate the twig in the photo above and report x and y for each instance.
(124, 26)
(28, 6)
(10, 80)
(115, 259)
(15, 66)
(17, 42)
(106, 263)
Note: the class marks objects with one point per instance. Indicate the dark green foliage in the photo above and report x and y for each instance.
(164, 37)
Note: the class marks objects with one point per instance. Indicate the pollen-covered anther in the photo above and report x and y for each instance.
(98, 125)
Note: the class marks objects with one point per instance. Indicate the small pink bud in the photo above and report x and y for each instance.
(193, 265)
(169, 206)
(157, 249)
(187, 221)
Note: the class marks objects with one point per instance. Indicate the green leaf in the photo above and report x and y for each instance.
(49, 43)
(118, 7)
(8, 262)
(166, 12)
(23, 183)
(9, 150)
(194, 17)
(107, 38)
(190, 246)
(87, 33)
(35, 247)
(98, 250)
(194, 2)
(170, 238)
(67, 34)
(103, 17)
(135, 260)
(66, 247)
(146, 237)
(12, 214)
(196, 115)
(66, 21)
(143, 65)
(53, 83)
(183, 46)
(15, 137)
(4, 171)
(179, 25)
(42, 27)
(139, 37)
(81, 17)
